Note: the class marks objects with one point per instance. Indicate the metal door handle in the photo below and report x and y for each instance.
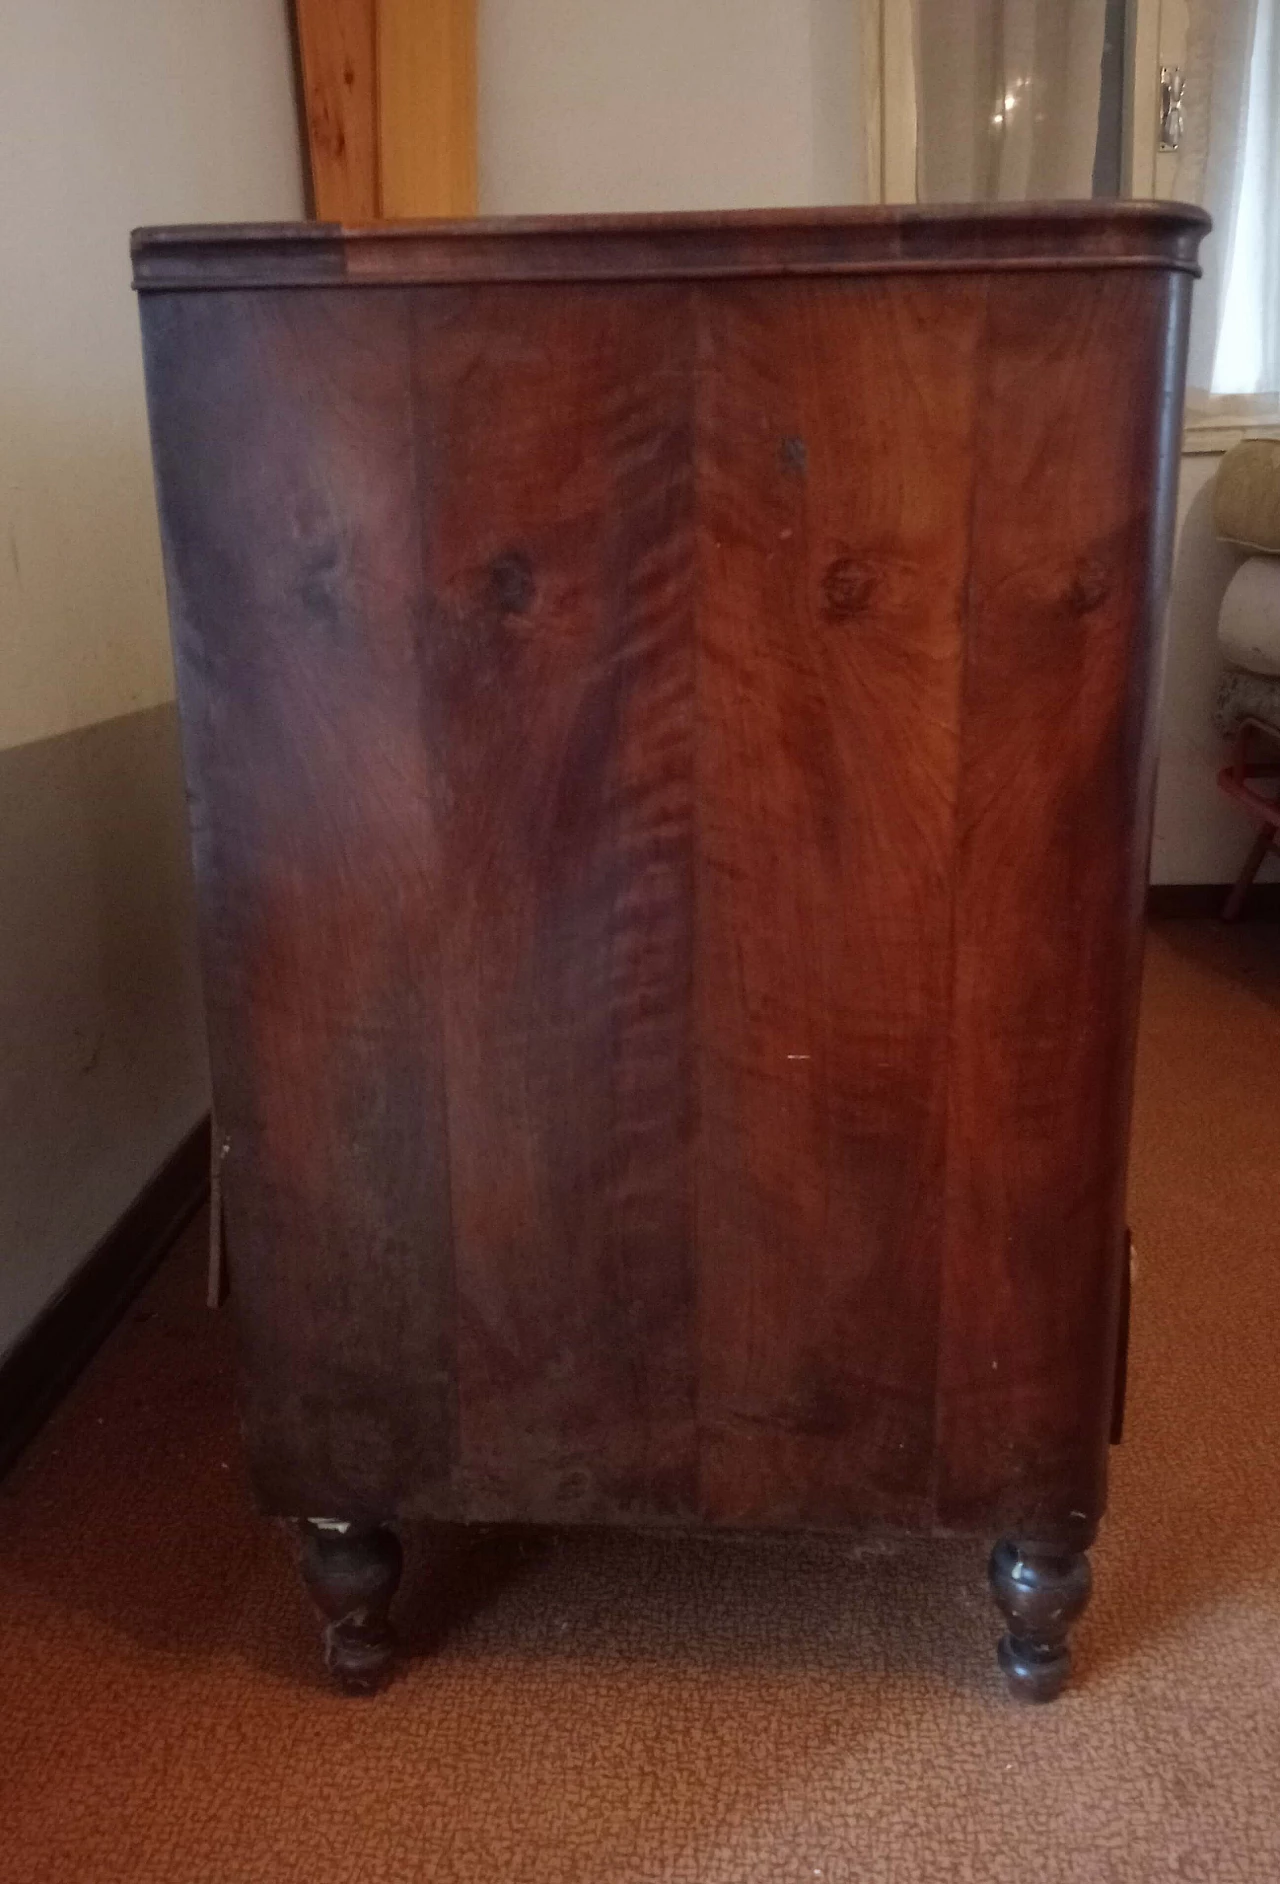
(1171, 88)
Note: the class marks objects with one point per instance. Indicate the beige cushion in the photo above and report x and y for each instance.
(1246, 495)
(1249, 619)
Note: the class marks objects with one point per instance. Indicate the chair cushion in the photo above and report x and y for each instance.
(1249, 618)
(1246, 495)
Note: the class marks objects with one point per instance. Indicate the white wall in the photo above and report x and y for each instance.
(112, 113)
(666, 104)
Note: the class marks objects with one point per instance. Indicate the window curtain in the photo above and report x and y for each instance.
(1008, 98)
(1229, 161)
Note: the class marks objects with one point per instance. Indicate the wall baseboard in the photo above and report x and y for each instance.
(47, 1359)
(1206, 899)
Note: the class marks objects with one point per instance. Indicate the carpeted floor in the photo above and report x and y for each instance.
(613, 1710)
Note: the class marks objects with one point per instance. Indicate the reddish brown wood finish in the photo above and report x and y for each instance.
(337, 56)
(835, 448)
(556, 683)
(1070, 541)
(298, 622)
(667, 707)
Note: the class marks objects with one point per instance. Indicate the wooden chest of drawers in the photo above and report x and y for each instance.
(668, 717)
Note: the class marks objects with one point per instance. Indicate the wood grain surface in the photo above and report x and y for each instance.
(696, 245)
(338, 70)
(1070, 545)
(670, 762)
(426, 107)
(557, 677)
(297, 609)
(834, 479)
(388, 97)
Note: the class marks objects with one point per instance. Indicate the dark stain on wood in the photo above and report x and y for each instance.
(668, 721)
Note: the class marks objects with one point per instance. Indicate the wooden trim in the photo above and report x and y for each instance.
(337, 57)
(899, 154)
(672, 247)
(426, 56)
(1166, 901)
(37, 1372)
(868, 98)
(389, 106)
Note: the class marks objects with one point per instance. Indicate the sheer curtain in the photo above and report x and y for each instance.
(1019, 99)
(1009, 96)
(1230, 162)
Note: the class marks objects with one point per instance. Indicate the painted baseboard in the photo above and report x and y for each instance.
(1206, 899)
(46, 1361)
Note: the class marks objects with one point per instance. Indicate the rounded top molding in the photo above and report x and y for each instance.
(690, 245)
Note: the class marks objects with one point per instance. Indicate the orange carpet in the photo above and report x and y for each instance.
(611, 1710)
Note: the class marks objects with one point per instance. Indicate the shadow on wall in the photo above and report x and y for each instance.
(102, 1058)
(102, 1053)
(1200, 836)
(81, 584)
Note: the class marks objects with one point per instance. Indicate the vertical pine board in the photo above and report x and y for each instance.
(1052, 848)
(337, 46)
(427, 107)
(554, 460)
(834, 474)
(296, 604)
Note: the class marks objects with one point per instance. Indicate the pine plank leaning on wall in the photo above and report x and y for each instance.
(338, 61)
(389, 103)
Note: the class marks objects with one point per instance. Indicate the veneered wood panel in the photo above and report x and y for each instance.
(835, 433)
(1070, 544)
(426, 107)
(554, 457)
(296, 606)
(670, 764)
(337, 48)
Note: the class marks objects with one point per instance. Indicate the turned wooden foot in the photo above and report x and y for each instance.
(1040, 1593)
(352, 1574)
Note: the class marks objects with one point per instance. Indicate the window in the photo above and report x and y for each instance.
(1247, 342)
(1033, 99)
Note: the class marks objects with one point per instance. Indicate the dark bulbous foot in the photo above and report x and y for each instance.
(352, 1574)
(1040, 1593)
